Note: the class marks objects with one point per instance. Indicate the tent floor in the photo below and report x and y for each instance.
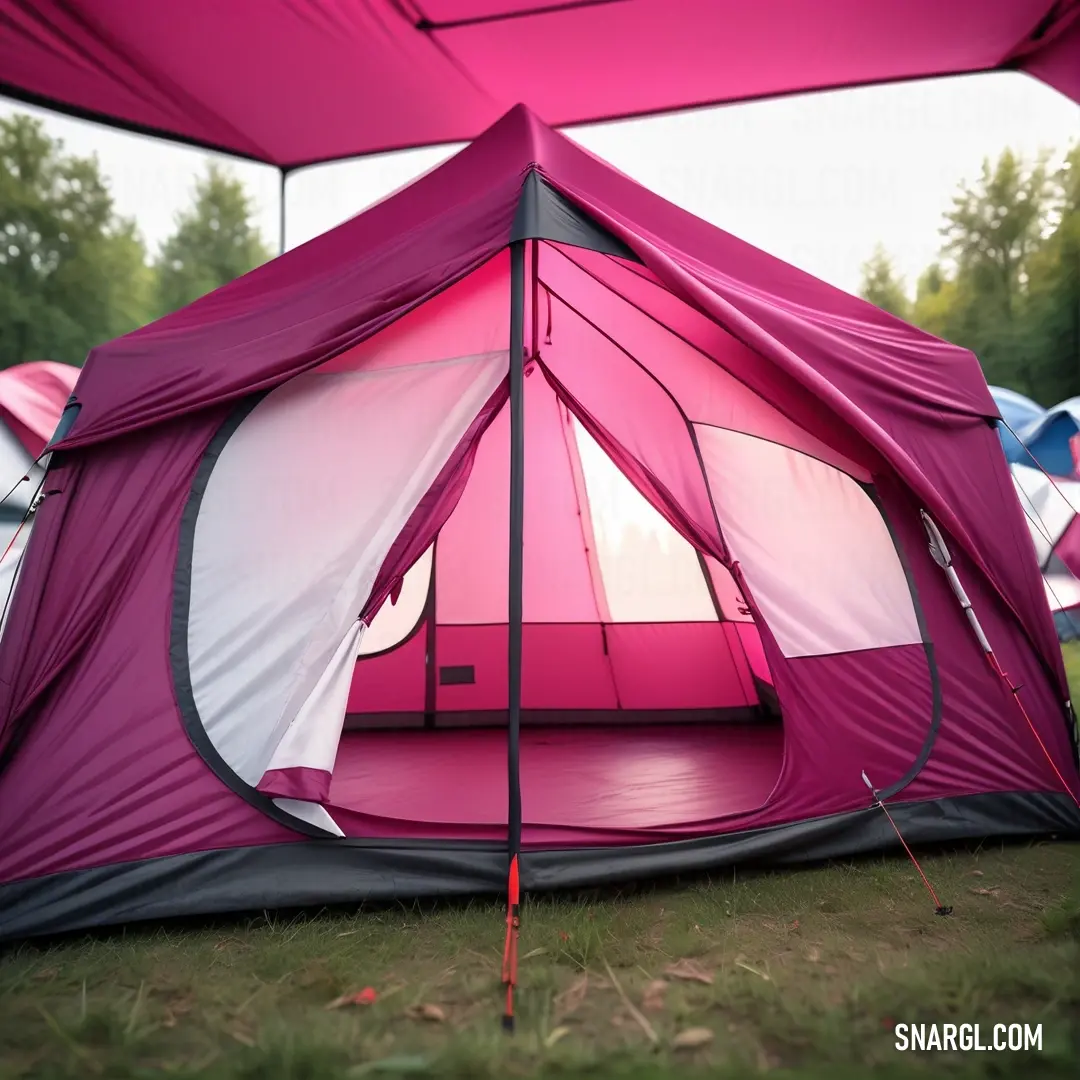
(593, 778)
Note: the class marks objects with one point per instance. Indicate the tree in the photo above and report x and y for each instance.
(72, 273)
(215, 241)
(979, 293)
(1053, 314)
(935, 301)
(881, 284)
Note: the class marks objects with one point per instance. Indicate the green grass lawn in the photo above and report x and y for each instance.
(802, 971)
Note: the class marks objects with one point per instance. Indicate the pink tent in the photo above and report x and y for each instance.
(32, 397)
(296, 83)
(523, 515)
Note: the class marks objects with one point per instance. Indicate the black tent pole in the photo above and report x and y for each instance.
(517, 521)
(281, 212)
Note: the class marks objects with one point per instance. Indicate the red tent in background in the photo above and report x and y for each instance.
(688, 660)
(292, 83)
(32, 397)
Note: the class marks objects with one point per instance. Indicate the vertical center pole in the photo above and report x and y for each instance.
(517, 529)
(281, 214)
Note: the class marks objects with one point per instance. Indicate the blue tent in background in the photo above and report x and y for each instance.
(1044, 432)
(1048, 437)
(1020, 414)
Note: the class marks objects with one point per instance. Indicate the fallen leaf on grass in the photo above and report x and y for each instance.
(431, 1013)
(174, 1011)
(813, 955)
(243, 1038)
(752, 970)
(976, 873)
(992, 891)
(571, 998)
(534, 952)
(689, 971)
(653, 998)
(557, 1034)
(692, 1038)
(403, 1065)
(366, 996)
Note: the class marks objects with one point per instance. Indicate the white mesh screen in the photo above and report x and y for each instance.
(813, 547)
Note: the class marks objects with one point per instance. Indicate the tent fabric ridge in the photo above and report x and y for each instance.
(264, 386)
(1058, 18)
(675, 333)
(553, 7)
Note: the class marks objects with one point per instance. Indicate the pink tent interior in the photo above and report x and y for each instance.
(292, 83)
(524, 516)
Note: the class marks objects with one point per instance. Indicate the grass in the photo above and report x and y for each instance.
(799, 972)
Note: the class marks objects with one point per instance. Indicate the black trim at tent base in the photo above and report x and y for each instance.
(574, 718)
(318, 873)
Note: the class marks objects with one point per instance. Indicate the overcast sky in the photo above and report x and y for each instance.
(817, 180)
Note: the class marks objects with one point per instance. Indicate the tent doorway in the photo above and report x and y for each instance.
(663, 558)
(646, 697)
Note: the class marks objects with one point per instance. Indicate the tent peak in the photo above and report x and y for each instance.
(543, 213)
(526, 129)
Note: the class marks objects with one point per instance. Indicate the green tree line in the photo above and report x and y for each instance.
(1007, 281)
(74, 273)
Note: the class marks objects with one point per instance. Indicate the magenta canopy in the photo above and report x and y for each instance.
(292, 84)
